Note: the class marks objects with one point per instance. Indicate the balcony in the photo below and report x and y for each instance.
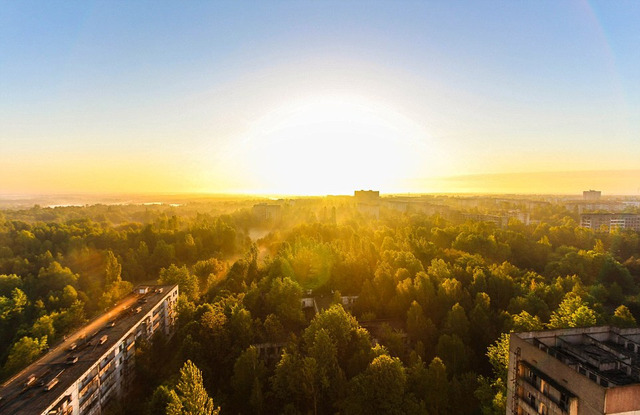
(89, 395)
(89, 405)
(107, 375)
(88, 388)
(105, 369)
(91, 376)
(526, 408)
(107, 360)
(63, 408)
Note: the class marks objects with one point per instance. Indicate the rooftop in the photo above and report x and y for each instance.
(602, 353)
(25, 393)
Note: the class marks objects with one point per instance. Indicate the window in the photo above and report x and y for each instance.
(545, 387)
(534, 378)
(531, 399)
(564, 402)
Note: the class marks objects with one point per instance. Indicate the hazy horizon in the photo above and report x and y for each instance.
(610, 183)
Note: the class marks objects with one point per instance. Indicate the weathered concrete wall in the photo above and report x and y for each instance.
(622, 399)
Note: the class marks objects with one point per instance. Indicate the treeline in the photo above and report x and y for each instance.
(425, 335)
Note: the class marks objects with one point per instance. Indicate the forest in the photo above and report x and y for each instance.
(412, 310)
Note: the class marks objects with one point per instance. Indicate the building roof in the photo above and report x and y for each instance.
(34, 399)
(610, 353)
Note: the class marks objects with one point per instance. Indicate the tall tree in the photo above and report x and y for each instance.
(23, 352)
(249, 373)
(193, 398)
(437, 388)
(379, 389)
(572, 312)
(113, 269)
(622, 317)
(181, 276)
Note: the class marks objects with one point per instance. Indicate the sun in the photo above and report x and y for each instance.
(333, 145)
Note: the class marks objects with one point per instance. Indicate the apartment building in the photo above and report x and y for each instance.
(367, 196)
(577, 371)
(610, 221)
(95, 364)
(267, 211)
(368, 202)
(591, 195)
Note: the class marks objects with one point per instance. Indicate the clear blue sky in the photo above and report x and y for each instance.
(176, 96)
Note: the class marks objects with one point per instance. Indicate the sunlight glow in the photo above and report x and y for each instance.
(335, 144)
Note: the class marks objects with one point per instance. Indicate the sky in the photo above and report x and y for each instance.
(319, 97)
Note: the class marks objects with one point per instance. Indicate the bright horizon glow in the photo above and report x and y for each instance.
(333, 144)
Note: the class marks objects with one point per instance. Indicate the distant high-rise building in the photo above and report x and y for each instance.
(366, 196)
(95, 364)
(267, 211)
(368, 202)
(591, 194)
(578, 371)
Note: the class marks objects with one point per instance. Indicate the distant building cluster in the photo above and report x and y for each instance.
(596, 212)
(95, 364)
(578, 371)
(500, 220)
(415, 204)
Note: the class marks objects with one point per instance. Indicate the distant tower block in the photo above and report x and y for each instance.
(368, 202)
(591, 194)
(265, 211)
(367, 196)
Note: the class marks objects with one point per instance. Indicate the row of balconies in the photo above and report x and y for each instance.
(88, 389)
(87, 380)
(63, 407)
(105, 368)
(107, 375)
(88, 397)
(530, 390)
(91, 405)
(525, 408)
(107, 359)
(107, 385)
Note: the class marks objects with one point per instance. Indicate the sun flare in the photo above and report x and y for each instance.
(334, 144)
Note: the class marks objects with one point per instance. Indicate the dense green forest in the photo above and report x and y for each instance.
(426, 334)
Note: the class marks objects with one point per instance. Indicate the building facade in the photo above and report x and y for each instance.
(266, 211)
(95, 364)
(578, 371)
(591, 195)
(367, 196)
(610, 221)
